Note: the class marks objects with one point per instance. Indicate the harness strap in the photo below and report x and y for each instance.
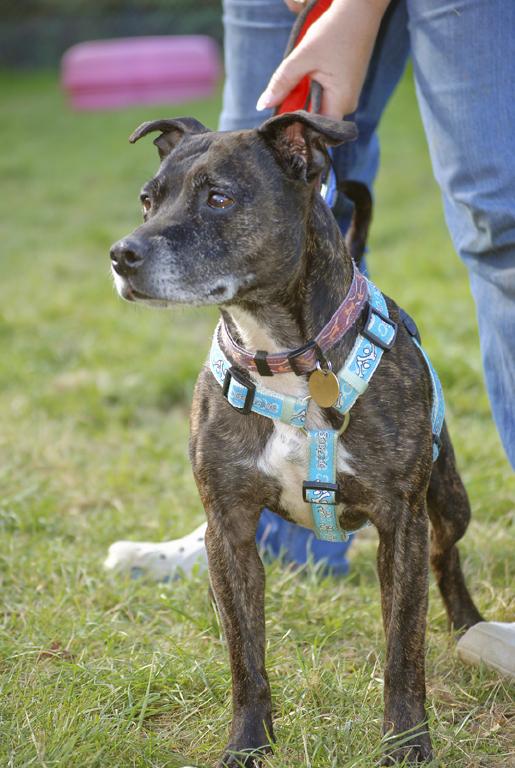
(377, 336)
(321, 490)
(438, 405)
(241, 392)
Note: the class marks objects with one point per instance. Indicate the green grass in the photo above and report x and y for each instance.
(94, 398)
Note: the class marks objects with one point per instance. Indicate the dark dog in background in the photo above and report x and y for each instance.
(235, 219)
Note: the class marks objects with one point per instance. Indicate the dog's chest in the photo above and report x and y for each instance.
(285, 458)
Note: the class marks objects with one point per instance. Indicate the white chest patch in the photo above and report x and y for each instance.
(285, 458)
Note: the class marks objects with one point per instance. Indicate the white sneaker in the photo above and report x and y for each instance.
(160, 561)
(490, 642)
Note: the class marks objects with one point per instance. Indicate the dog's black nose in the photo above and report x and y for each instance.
(127, 256)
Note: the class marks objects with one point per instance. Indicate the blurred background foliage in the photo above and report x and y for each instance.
(35, 33)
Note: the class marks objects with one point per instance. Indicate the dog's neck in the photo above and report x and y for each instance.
(288, 317)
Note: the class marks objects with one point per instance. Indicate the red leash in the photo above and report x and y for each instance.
(301, 97)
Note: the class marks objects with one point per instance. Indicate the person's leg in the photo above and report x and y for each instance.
(255, 36)
(359, 160)
(464, 64)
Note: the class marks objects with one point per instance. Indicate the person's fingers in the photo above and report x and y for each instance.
(295, 6)
(330, 106)
(337, 102)
(287, 75)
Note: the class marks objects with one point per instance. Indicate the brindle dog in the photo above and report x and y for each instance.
(235, 219)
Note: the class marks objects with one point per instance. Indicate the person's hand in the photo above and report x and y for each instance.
(335, 51)
(295, 6)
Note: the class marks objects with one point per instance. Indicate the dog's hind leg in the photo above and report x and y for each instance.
(403, 574)
(238, 582)
(449, 512)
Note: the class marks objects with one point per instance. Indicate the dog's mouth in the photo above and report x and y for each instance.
(133, 295)
(129, 293)
(219, 291)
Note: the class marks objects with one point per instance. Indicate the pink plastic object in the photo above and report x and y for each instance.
(109, 74)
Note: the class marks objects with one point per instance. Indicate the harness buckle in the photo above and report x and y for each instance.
(243, 381)
(323, 493)
(380, 341)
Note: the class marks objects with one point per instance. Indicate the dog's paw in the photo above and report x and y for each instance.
(245, 758)
(158, 561)
(417, 750)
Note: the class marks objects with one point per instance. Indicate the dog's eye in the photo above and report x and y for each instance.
(146, 203)
(219, 200)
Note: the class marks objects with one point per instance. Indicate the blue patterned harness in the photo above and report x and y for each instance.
(320, 489)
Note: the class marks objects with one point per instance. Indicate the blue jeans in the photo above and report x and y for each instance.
(464, 64)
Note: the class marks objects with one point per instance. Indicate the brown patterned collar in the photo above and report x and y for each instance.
(304, 359)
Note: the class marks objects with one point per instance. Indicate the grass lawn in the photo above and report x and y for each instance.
(94, 399)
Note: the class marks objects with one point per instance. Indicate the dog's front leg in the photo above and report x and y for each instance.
(238, 583)
(403, 573)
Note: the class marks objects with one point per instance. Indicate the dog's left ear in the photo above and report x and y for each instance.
(172, 132)
(300, 139)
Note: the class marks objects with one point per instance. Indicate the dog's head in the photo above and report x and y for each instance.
(226, 212)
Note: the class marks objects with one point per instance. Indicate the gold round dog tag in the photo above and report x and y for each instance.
(324, 388)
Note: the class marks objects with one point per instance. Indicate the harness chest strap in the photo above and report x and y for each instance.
(320, 490)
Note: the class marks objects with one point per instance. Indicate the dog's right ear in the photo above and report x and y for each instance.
(299, 140)
(172, 132)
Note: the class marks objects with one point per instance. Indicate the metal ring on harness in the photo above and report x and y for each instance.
(346, 420)
(323, 370)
